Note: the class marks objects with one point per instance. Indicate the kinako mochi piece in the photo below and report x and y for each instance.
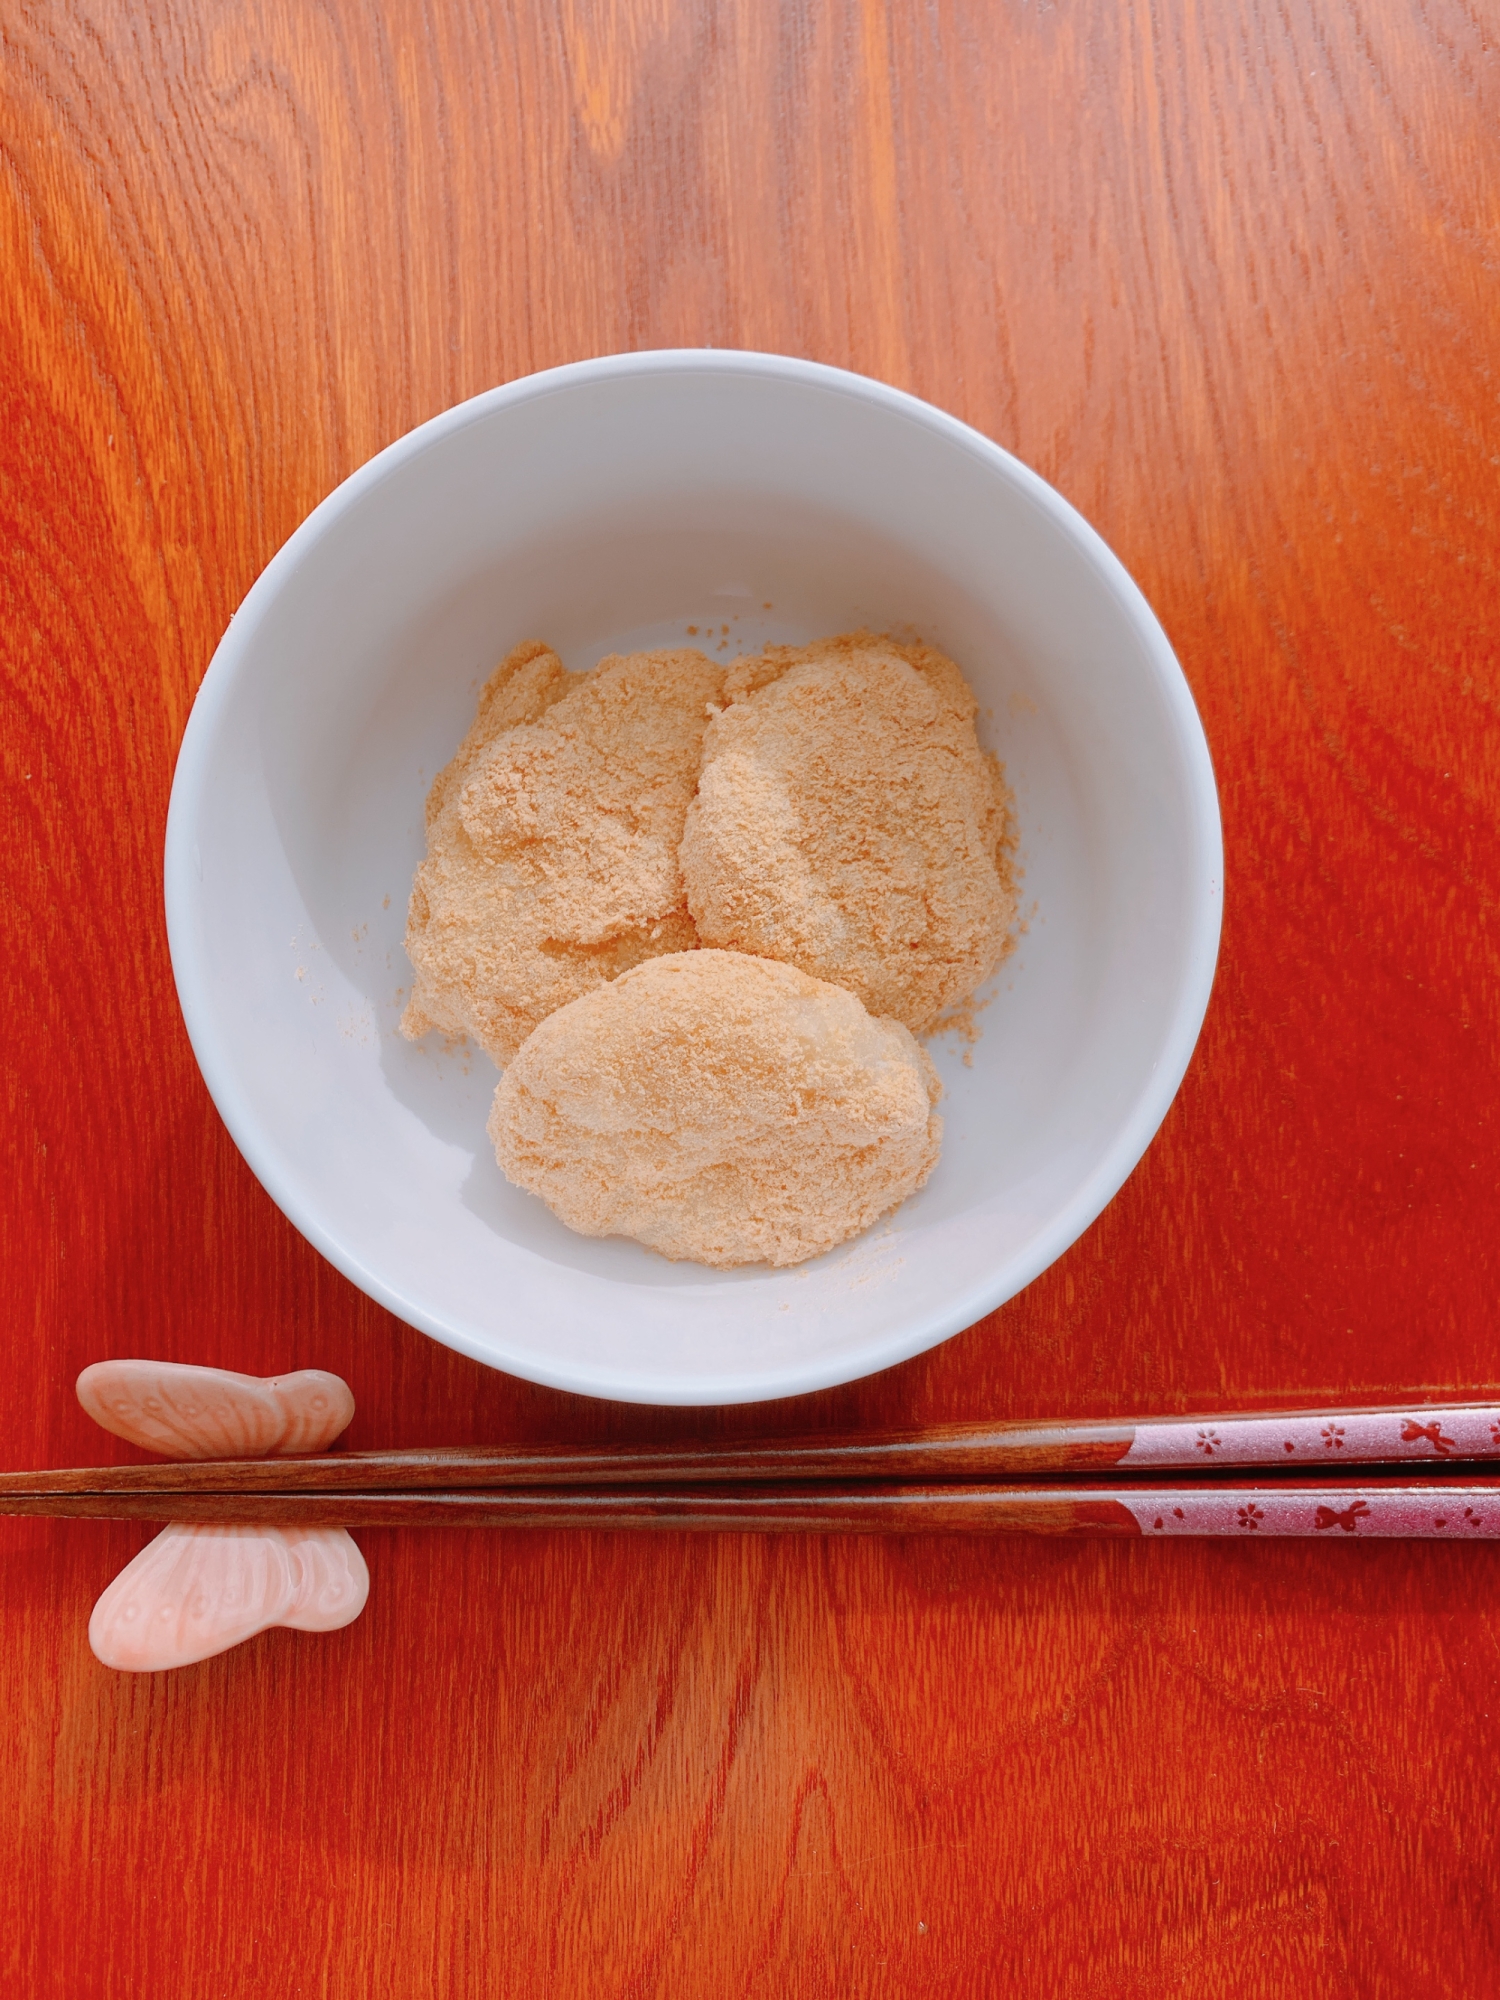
(721, 1108)
(552, 841)
(847, 822)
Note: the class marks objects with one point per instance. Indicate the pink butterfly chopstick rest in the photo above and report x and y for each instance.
(196, 1590)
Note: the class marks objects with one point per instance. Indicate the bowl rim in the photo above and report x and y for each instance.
(192, 776)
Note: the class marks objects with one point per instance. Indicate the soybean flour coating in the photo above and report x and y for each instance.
(824, 816)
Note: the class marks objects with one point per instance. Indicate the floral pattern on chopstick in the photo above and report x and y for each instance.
(1412, 1513)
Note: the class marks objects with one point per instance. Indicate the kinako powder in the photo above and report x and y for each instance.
(552, 841)
(823, 811)
(847, 821)
(721, 1108)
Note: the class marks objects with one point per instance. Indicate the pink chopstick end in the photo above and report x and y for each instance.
(1412, 1514)
(1319, 1440)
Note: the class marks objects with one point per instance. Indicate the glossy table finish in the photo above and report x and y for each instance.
(1228, 275)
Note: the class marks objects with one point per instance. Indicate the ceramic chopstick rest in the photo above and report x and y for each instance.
(180, 1411)
(198, 1590)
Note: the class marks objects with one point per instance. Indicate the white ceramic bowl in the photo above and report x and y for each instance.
(606, 507)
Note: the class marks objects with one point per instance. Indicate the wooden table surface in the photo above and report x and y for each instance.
(1229, 276)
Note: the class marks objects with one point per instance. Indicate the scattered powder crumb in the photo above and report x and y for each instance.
(692, 631)
(876, 1273)
(385, 903)
(962, 1020)
(847, 822)
(552, 840)
(721, 1108)
(356, 1026)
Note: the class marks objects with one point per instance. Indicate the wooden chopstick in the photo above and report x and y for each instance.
(1301, 1440)
(1435, 1509)
(965, 1479)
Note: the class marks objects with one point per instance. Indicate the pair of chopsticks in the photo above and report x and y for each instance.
(1286, 1473)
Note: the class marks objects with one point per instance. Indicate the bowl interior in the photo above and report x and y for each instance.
(613, 507)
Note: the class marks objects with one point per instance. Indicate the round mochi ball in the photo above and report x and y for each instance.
(719, 1108)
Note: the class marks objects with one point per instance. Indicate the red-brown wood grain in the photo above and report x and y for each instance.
(1228, 275)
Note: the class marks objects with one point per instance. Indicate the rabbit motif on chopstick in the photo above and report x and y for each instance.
(198, 1590)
